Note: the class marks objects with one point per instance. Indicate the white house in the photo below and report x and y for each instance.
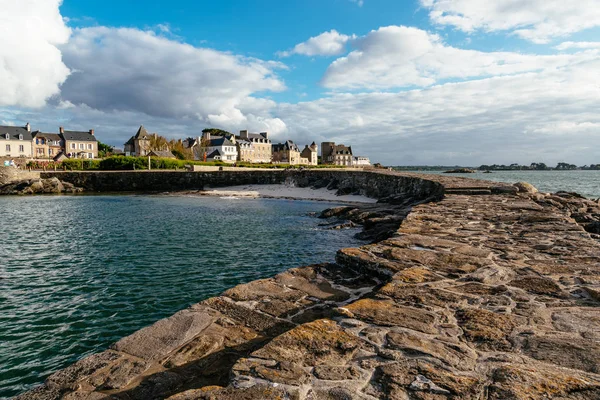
(360, 161)
(16, 141)
(219, 148)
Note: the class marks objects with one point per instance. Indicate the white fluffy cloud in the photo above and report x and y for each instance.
(546, 116)
(330, 43)
(536, 20)
(578, 45)
(399, 56)
(31, 68)
(139, 71)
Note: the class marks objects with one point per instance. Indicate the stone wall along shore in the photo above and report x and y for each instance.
(487, 296)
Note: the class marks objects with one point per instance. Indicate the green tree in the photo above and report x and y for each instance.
(216, 132)
(105, 150)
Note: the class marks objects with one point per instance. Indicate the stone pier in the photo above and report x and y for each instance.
(483, 292)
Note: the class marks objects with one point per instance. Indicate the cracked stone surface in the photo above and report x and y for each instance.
(488, 296)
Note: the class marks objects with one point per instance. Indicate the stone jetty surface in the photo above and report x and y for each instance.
(482, 294)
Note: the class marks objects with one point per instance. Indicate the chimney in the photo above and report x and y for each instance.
(28, 127)
(244, 134)
(61, 130)
(92, 132)
(265, 135)
(206, 136)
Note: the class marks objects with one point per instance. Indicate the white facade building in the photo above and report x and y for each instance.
(16, 141)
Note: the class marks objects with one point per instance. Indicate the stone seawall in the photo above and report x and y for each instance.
(371, 184)
(476, 296)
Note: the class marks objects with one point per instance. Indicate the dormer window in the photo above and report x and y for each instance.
(20, 136)
(6, 136)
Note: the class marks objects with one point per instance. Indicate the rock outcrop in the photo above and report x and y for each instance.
(39, 186)
(492, 296)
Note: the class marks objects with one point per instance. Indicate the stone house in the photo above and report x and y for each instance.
(47, 145)
(286, 153)
(309, 155)
(79, 144)
(257, 147)
(139, 144)
(16, 141)
(336, 154)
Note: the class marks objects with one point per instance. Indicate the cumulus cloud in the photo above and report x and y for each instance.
(122, 69)
(536, 20)
(31, 68)
(330, 43)
(399, 56)
(536, 116)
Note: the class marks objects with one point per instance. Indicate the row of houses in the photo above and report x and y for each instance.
(252, 148)
(22, 142)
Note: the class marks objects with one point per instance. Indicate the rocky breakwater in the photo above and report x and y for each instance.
(17, 182)
(473, 297)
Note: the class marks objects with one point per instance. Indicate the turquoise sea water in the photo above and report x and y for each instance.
(79, 272)
(586, 183)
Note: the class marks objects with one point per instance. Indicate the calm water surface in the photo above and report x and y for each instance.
(586, 183)
(78, 273)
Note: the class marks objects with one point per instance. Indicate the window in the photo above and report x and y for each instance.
(7, 136)
(8, 148)
(90, 155)
(20, 136)
(81, 146)
(73, 146)
(90, 146)
(50, 152)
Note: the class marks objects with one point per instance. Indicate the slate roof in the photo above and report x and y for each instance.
(79, 136)
(162, 154)
(218, 141)
(214, 154)
(288, 145)
(49, 136)
(142, 133)
(341, 149)
(257, 136)
(14, 132)
(189, 143)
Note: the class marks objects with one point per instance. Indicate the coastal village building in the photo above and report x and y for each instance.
(360, 161)
(161, 154)
(79, 144)
(286, 153)
(309, 155)
(219, 148)
(336, 154)
(341, 155)
(16, 141)
(139, 144)
(47, 145)
(259, 149)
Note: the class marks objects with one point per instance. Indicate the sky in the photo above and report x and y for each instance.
(404, 82)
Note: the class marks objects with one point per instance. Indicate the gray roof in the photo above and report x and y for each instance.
(79, 136)
(14, 132)
(288, 145)
(142, 133)
(341, 149)
(219, 141)
(49, 136)
(214, 153)
(162, 153)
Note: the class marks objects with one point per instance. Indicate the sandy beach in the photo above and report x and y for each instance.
(283, 192)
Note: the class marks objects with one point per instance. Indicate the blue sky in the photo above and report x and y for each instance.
(404, 82)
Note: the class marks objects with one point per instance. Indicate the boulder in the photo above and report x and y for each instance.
(525, 187)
